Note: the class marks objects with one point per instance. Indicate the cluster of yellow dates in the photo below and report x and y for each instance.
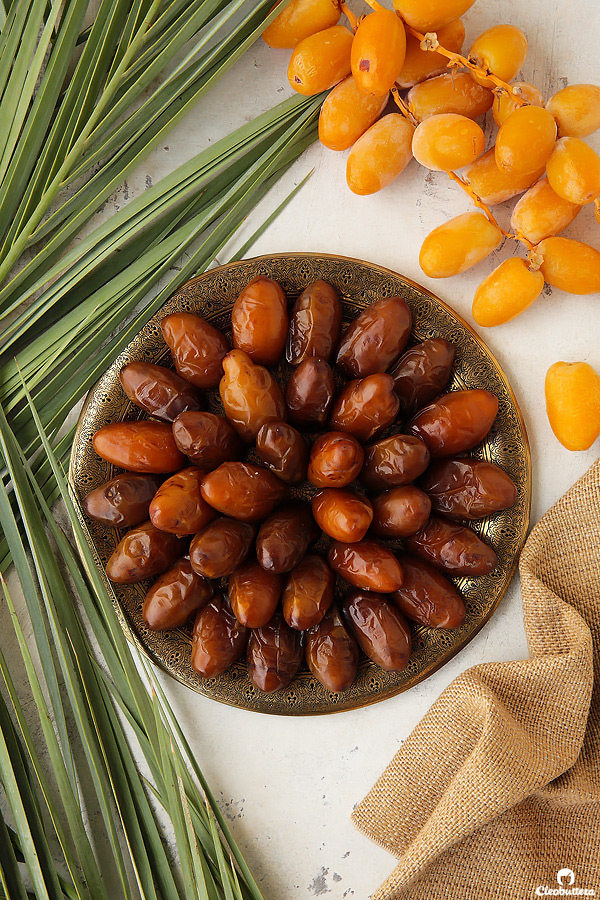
(411, 54)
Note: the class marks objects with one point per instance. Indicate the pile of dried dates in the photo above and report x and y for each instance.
(372, 439)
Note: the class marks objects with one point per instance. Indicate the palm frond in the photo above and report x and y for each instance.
(83, 107)
(62, 307)
(79, 346)
(93, 700)
(87, 127)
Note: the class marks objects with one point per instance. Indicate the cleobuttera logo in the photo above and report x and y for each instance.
(564, 877)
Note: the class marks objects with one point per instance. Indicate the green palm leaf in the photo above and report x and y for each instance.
(81, 109)
(94, 288)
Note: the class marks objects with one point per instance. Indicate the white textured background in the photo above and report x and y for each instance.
(288, 785)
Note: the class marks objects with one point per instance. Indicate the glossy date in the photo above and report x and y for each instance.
(147, 447)
(308, 593)
(259, 321)
(141, 553)
(206, 439)
(218, 638)
(284, 537)
(243, 491)
(375, 338)
(468, 488)
(335, 460)
(453, 548)
(221, 547)
(394, 461)
(315, 323)
(309, 392)
(197, 348)
(123, 501)
(422, 373)
(365, 406)
(178, 506)
(283, 450)
(455, 422)
(400, 511)
(343, 515)
(427, 598)
(250, 395)
(332, 653)
(368, 564)
(379, 628)
(174, 597)
(274, 654)
(254, 594)
(158, 391)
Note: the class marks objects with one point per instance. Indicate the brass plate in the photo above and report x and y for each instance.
(359, 284)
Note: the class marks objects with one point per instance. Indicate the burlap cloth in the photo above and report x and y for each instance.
(498, 788)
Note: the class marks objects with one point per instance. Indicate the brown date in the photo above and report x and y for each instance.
(147, 447)
(365, 406)
(309, 392)
(206, 439)
(455, 422)
(259, 321)
(343, 515)
(400, 511)
(369, 565)
(427, 598)
(394, 461)
(453, 548)
(332, 653)
(254, 594)
(158, 391)
(274, 655)
(174, 597)
(335, 460)
(218, 639)
(221, 547)
(315, 323)
(250, 395)
(123, 501)
(422, 373)
(379, 628)
(141, 553)
(284, 537)
(178, 506)
(308, 593)
(375, 338)
(243, 491)
(468, 488)
(283, 450)
(197, 348)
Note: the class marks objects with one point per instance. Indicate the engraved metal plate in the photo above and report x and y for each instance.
(359, 283)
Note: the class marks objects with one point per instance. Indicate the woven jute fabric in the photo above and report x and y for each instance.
(498, 788)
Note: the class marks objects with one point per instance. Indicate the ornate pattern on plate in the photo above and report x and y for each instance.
(359, 284)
